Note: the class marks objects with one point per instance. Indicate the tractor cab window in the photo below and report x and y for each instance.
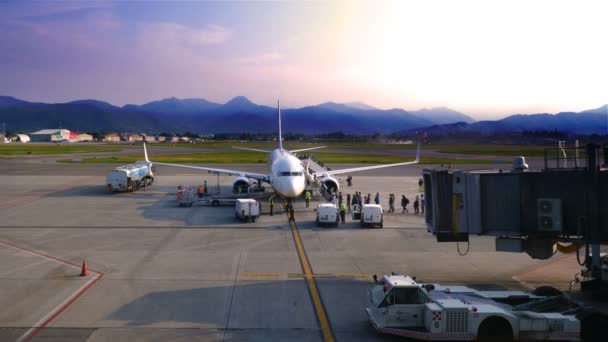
(404, 296)
(409, 295)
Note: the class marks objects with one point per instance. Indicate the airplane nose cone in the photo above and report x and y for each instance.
(293, 189)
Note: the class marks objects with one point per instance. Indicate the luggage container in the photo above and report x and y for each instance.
(247, 209)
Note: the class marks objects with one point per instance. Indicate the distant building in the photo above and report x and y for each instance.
(50, 135)
(20, 138)
(3, 139)
(186, 139)
(150, 138)
(111, 137)
(85, 137)
(174, 139)
(73, 136)
(134, 137)
(161, 138)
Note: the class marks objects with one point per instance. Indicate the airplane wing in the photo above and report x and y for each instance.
(373, 167)
(251, 149)
(307, 149)
(259, 176)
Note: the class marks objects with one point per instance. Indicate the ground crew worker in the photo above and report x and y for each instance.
(416, 205)
(377, 198)
(307, 197)
(343, 212)
(205, 186)
(422, 203)
(201, 191)
(348, 202)
(291, 212)
(271, 203)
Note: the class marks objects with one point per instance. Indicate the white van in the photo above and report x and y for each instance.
(327, 214)
(247, 209)
(372, 215)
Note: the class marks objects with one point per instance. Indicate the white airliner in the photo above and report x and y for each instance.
(287, 175)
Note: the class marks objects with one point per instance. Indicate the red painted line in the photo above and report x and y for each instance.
(66, 305)
(46, 255)
(541, 265)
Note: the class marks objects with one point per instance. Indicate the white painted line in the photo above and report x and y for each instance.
(62, 306)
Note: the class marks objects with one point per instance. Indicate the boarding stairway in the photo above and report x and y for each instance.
(312, 167)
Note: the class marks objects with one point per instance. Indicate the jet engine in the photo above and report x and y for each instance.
(240, 184)
(330, 183)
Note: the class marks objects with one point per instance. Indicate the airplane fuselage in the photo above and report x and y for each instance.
(287, 176)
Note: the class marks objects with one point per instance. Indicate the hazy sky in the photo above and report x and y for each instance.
(485, 58)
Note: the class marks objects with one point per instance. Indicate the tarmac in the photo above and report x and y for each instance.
(160, 272)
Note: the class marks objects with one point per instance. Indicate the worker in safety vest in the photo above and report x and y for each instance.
(271, 203)
(343, 212)
(201, 191)
(307, 197)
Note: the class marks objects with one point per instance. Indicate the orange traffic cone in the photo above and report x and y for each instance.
(84, 271)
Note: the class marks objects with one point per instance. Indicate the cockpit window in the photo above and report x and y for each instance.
(292, 173)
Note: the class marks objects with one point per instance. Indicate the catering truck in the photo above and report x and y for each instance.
(130, 177)
(398, 305)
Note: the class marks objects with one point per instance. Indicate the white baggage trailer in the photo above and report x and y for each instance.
(398, 305)
(327, 215)
(246, 209)
(372, 215)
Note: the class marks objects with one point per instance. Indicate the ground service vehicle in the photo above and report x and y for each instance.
(398, 305)
(247, 209)
(327, 215)
(372, 215)
(129, 177)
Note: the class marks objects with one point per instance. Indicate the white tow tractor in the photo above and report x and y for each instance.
(398, 305)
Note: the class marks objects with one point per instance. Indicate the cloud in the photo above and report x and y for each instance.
(166, 32)
(263, 58)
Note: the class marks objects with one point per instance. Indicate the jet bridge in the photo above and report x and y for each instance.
(527, 211)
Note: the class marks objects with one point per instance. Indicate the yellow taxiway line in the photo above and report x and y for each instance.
(312, 286)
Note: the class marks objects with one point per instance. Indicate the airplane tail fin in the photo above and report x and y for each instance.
(280, 133)
(146, 154)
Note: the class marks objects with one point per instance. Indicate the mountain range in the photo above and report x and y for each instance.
(202, 116)
(593, 121)
(241, 115)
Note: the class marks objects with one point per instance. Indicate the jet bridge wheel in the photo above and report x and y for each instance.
(495, 329)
